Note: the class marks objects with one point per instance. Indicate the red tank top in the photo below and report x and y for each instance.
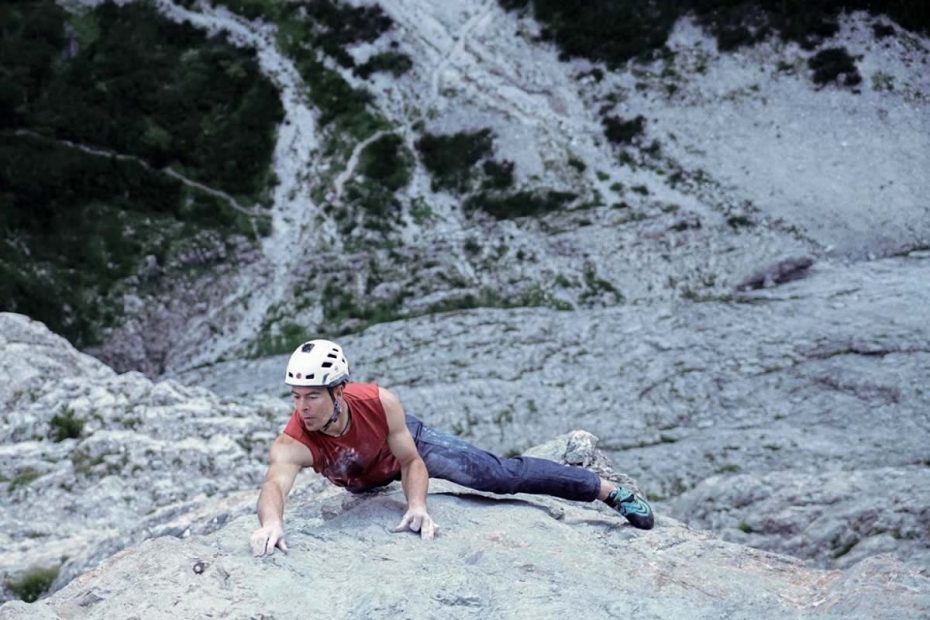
(360, 459)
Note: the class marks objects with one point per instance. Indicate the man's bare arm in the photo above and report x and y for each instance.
(413, 473)
(287, 458)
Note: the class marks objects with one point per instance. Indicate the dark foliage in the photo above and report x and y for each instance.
(330, 26)
(343, 108)
(387, 162)
(451, 158)
(339, 103)
(379, 207)
(33, 584)
(615, 31)
(611, 31)
(514, 5)
(74, 223)
(882, 31)
(395, 63)
(341, 25)
(385, 165)
(518, 204)
(738, 23)
(164, 92)
(620, 131)
(834, 64)
(66, 426)
(497, 175)
(577, 164)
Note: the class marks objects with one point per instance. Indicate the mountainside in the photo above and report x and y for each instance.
(441, 157)
(706, 241)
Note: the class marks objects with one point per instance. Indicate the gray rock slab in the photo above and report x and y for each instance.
(503, 559)
(835, 517)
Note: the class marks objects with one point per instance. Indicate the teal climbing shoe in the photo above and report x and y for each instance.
(633, 507)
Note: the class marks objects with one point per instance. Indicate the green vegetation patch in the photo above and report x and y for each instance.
(74, 225)
(834, 64)
(620, 131)
(452, 158)
(498, 175)
(504, 206)
(23, 478)
(336, 25)
(311, 29)
(87, 121)
(489, 298)
(33, 583)
(462, 163)
(611, 31)
(395, 63)
(341, 308)
(66, 426)
(284, 340)
(308, 32)
(379, 208)
(387, 162)
(615, 31)
(369, 199)
(138, 84)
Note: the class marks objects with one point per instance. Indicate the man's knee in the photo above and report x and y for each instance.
(506, 476)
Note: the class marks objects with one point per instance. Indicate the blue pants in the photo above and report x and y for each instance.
(449, 458)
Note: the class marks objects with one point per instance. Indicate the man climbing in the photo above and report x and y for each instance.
(358, 436)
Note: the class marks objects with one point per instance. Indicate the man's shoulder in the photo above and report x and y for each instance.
(287, 450)
(362, 391)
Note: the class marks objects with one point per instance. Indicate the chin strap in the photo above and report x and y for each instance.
(336, 410)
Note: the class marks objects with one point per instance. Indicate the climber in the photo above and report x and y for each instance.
(358, 436)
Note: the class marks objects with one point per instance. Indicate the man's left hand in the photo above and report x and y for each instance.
(417, 520)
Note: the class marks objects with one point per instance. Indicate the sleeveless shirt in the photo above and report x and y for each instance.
(360, 459)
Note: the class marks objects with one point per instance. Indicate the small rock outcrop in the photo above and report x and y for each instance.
(779, 272)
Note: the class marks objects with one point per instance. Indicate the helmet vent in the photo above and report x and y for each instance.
(327, 364)
(332, 355)
(308, 346)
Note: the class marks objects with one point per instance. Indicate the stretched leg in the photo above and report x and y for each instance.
(449, 458)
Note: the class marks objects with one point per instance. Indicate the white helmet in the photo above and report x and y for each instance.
(318, 363)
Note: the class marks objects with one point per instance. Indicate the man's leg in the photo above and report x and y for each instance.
(449, 458)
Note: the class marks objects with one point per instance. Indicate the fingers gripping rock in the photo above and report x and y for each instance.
(265, 539)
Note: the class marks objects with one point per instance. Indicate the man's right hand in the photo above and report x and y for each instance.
(266, 538)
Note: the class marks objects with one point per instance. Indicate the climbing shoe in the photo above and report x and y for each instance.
(631, 506)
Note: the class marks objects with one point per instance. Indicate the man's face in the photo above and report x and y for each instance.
(313, 405)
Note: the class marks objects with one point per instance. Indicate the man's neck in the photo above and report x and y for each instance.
(341, 426)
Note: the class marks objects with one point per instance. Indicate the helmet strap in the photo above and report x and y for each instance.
(336, 410)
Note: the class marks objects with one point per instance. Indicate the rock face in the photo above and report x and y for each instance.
(803, 406)
(92, 461)
(149, 506)
(837, 517)
(509, 557)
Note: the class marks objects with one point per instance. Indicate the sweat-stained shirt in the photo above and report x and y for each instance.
(360, 459)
